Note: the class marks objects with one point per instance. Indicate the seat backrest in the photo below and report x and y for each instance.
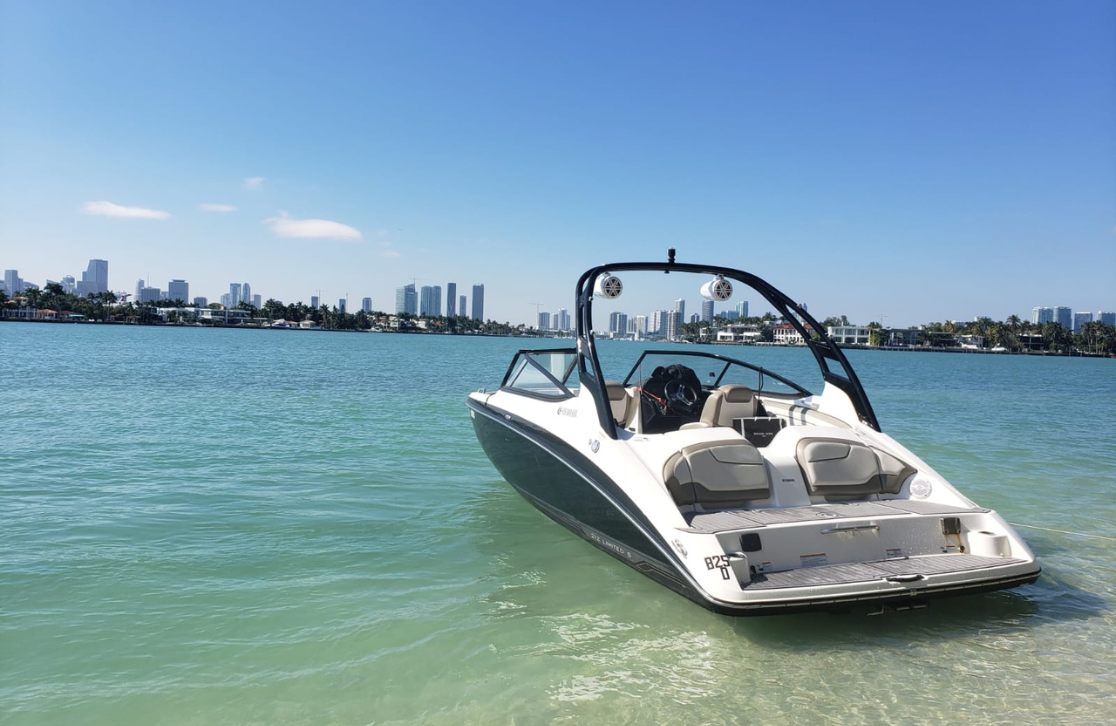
(730, 401)
(839, 469)
(717, 475)
(620, 401)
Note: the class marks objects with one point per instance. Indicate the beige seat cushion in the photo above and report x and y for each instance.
(730, 401)
(717, 475)
(840, 469)
(620, 401)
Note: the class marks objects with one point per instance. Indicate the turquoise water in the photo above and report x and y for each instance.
(267, 527)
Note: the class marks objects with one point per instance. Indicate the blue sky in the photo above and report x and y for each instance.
(920, 161)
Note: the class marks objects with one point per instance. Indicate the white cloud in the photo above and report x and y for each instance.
(284, 226)
(217, 207)
(108, 209)
(390, 253)
(253, 182)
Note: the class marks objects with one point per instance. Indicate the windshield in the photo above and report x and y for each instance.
(542, 373)
(713, 370)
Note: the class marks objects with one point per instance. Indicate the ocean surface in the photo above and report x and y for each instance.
(271, 527)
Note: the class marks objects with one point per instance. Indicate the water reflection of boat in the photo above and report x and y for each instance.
(730, 483)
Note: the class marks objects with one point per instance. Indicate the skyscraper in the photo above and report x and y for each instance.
(366, 304)
(1042, 315)
(1080, 319)
(406, 300)
(478, 302)
(658, 323)
(94, 279)
(430, 301)
(1063, 316)
(140, 284)
(246, 292)
(201, 302)
(315, 302)
(680, 308)
(178, 290)
(618, 323)
(451, 299)
(563, 322)
(673, 324)
(257, 301)
(742, 309)
(544, 321)
(234, 294)
(641, 325)
(13, 283)
(341, 305)
(707, 311)
(1106, 317)
(68, 284)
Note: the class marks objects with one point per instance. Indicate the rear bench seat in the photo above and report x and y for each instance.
(838, 469)
(717, 475)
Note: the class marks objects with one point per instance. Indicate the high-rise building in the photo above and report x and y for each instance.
(1063, 316)
(257, 301)
(695, 318)
(658, 323)
(406, 300)
(246, 292)
(149, 295)
(563, 322)
(478, 302)
(430, 301)
(226, 300)
(618, 323)
(234, 294)
(544, 321)
(13, 283)
(461, 306)
(1080, 319)
(178, 290)
(366, 305)
(707, 311)
(451, 299)
(140, 284)
(201, 302)
(1042, 315)
(315, 302)
(641, 325)
(341, 305)
(68, 284)
(673, 324)
(1106, 317)
(94, 279)
(742, 309)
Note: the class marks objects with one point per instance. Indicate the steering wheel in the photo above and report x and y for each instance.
(681, 395)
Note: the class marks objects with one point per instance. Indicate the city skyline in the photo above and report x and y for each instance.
(908, 161)
(427, 301)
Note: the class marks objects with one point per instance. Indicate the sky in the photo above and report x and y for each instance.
(904, 162)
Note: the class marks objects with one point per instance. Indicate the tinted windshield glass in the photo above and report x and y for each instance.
(542, 373)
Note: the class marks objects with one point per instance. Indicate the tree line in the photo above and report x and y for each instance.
(104, 307)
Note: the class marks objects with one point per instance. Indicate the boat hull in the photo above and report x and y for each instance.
(569, 489)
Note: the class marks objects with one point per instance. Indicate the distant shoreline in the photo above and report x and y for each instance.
(419, 331)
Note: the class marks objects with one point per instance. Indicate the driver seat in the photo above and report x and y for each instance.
(730, 401)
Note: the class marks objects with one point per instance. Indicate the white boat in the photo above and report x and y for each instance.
(731, 484)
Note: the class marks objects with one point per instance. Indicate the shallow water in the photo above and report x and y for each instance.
(272, 527)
